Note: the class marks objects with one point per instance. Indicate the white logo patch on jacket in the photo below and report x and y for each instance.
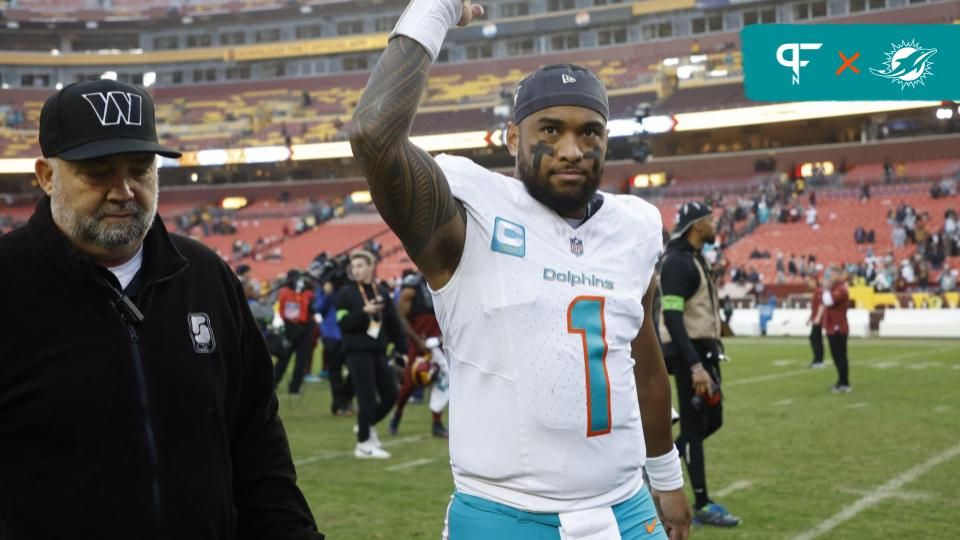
(201, 332)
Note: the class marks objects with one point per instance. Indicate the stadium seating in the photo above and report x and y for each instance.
(873, 173)
(838, 217)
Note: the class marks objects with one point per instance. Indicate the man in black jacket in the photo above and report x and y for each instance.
(690, 332)
(368, 322)
(136, 394)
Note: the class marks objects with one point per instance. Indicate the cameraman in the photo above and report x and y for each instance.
(690, 332)
(368, 321)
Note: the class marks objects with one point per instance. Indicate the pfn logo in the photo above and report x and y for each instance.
(114, 108)
(794, 62)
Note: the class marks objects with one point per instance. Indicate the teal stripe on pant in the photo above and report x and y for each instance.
(474, 518)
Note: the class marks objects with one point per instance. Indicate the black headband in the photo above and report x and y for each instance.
(558, 85)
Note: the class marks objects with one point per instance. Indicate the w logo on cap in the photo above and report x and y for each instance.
(114, 108)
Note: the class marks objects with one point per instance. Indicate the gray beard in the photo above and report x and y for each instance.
(91, 230)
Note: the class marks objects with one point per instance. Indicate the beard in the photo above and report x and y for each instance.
(90, 229)
(539, 187)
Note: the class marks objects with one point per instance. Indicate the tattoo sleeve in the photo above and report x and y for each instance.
(408, 187)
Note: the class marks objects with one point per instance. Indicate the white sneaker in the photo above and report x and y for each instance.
(367, 450)
(373, 435)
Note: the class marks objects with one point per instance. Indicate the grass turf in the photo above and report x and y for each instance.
(792, 460)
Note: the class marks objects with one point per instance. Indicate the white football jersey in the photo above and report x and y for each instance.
(537, 322)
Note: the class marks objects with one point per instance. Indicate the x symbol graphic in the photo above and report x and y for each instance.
(848, 63)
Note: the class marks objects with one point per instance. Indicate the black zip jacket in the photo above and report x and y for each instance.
(354, 322)
(165, 428)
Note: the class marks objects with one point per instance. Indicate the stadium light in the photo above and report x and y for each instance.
(13, 25)
(671, 61)
(54, 52)
(194, 177)
(789, 112)
(92, 25)
(306, 10)
(489, 30)
(658, 124)
(109, 75)
(944, 113)
(149, 78)
(59, 86)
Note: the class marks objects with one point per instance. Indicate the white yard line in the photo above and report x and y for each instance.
(857, 405)
(864, 363)
(909, 496)
(769, 377)
(411, 464)
(784, 402)
(326, 456)
(736, 486)
(879, 494)
(854, 342)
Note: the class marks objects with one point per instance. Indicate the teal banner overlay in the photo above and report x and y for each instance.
(812, 62)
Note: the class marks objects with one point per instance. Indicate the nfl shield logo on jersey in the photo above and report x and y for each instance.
(576, 246)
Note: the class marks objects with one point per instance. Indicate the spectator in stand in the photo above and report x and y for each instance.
(792, 265)
(812, 217)
(887, 171)
(907, 272)
(920, 234)
(859, 235)
(923, 273)
(948, 279)
(899, 236)
(780, 264)
(864, 193)
(935, 251)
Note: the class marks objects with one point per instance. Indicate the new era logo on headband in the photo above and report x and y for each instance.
(114, 108)
(567, 79)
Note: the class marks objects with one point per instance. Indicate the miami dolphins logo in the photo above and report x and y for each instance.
(908, 64)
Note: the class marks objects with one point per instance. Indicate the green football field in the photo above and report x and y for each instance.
(792, 460)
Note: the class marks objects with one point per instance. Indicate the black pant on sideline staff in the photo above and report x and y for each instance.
(301, 343)
(376, 388)
(341, 388)
(816, 343)
(838, 350)
(695, 425)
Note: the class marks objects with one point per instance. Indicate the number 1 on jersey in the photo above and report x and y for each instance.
(585, 317)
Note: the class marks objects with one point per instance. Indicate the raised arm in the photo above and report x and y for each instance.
(407, 185)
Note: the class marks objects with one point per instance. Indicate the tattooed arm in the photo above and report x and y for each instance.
(407, 185)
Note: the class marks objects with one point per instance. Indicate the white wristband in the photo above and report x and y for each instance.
(664, 471)
(427, 22)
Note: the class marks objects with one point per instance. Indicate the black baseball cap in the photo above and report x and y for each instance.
(558, 85)
(99, 118)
